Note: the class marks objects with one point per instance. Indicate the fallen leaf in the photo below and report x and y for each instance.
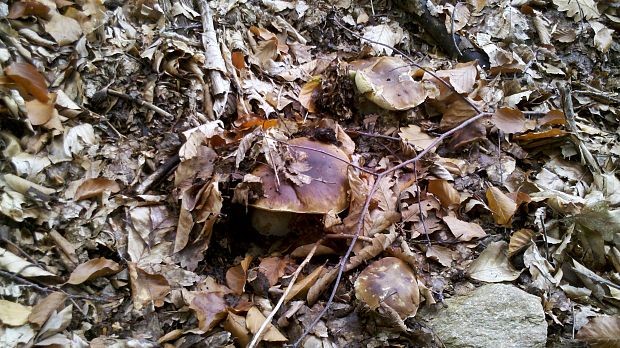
(502, 206)
(39, 113)
(91, 188)
(492, 265)
(236, 276)
(21, 9)
(576, 9)
(29, 78)
(14, 314)
(440, 254)
(63, 29)
(463, 230)
(235, 324)
(210, 308)
(510, 120)
(602, 37)
(301, 287)
(147, 288)
(44, 309)
(92, 269)
(15, 264)
(519, 240)
(254, 319)
(446, 193)
(389, 35)
(274, 268)
(56, 323)
(413, 135)
(309, 93)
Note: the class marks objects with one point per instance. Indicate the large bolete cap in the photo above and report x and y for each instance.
(389, 282)
(326, 192)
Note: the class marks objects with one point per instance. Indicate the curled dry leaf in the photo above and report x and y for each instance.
(236, 276)
(44, 309)
(91, 188)
(501, 205)
(92, 269)
(446, 193)
(301, 287)
(235, 324)
(519, 240)
(492, 265)
(210, 308)
(254, 319)
(603, 331)
(147, 288)
(463, 230)
(13, 314)
(309, 93)
(510, 120)
(28, 78)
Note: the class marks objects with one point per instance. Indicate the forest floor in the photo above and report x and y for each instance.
(419, 151)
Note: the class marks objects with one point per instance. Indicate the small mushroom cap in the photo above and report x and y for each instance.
(391, 282)
(326, 192)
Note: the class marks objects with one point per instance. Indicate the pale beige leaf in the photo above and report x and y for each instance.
(92, 269)
(462, 77)
(235, 324)
(492, 265)
(519, 240)
(255, 319)
(14, 314)
(15, 264)
(390, 35)
(91, 188)
(575, 8)
(602, 37)
(147, 288)
(413, 135)
(502, 206)
(440, 254)
(39, 113)
(464, 230)
(63, 29)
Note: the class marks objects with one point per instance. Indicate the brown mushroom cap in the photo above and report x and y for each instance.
(392, 282)
(326, 192)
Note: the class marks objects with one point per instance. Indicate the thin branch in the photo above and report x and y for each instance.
(372, 135)
(140, 102)
(258, 335)
(160, 173)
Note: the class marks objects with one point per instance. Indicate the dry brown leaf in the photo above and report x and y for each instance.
(502, 206)
(91, 188)
(492, 266)
(13, 314)
(210, 308)
(273, 268)
(519, 240)
(63, 29)
(551, 133)
(21, 9)
(42, 311)
(235, 324)
(147, 288)
(601, 332)
(255, 319)
(510, 120)
(446, 193)
(28, 78)
(309, 93)
(39, 113)
(301, 288)
(92, 269)
(236, 276)
(304, 250)
(464, 230)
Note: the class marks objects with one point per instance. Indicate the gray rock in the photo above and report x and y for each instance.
(494, 315)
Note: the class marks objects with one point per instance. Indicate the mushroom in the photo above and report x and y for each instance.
(390, 286)
(327, 191)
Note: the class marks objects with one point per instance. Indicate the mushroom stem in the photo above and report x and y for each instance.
(271, 223)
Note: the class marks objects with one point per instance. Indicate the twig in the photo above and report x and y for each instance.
(372, 135)
(452, 29)
(49, 288)
(257, 336)
(417, 183)
(158, 174)
(33, 261)
(140, 102)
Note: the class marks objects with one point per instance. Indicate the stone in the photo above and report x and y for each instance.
(493, 315)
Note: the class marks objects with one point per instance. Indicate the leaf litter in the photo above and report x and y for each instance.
(130, 134)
